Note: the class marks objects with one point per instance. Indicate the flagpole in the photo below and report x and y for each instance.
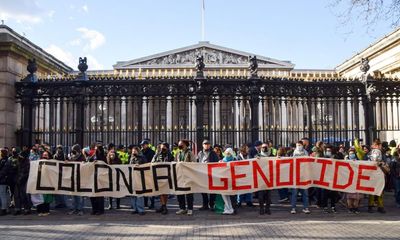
(202, 22)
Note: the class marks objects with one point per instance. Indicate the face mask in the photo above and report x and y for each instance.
(135, 154)
(14, 153)
(328, 154)
(299, 148)
(352, 156)
(180, 147)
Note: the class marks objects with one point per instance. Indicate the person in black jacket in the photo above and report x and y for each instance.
(148, 153)
(77, 201)
(60, 199)
(164, 155)
(205, 156)
(98, 202)
(137, 202)
(5, 170)
(21, 197)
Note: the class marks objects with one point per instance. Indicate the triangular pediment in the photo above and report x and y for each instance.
(214, 56)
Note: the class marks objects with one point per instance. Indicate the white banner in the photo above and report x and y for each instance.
(100, 179)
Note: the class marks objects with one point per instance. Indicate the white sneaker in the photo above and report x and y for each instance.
(306, 211)
(293, 211)
(181, 211)
(228, 212)
(189, 212)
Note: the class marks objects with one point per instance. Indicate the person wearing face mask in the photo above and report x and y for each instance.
(299, 152)
(185, 155)
(77, 201)
(264, 196)
(329, 195)
(376, 156)
(113, 158)
(207, 155)
(228, 208)
(137, 202)
(353, 199)
(164, 155)
(247, 197)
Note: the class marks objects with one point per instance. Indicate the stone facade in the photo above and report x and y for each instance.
(15, 51)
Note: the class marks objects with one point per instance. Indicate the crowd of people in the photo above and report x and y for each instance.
(15, 163)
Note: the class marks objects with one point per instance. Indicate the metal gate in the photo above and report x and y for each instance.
(226, 110)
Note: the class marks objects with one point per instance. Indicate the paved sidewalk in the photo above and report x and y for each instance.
(247, 224)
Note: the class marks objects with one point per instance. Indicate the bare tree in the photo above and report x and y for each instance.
(369, 11)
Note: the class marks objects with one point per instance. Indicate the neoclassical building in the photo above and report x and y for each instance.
(160, 102)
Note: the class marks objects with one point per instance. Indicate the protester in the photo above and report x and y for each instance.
(77, 201)
(22, 202)
(60, 199)
(264, 196)
(185, 200)
(43, 209)
(113, 158)
(228, 208)
(137, 201)
(164, 155)
(207, 155)
(353, 199)
(299, 152)
(376, 156)
(148, 152)
(5, 170)
(326, 194)
(98, 202)
(247, 197)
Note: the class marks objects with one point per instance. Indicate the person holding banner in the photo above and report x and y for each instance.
(376, 156)
(228, 208)
(247, 197)
(77, 201)
(264, 196)
(353, 199)
(148, 152)
(113, 158)
(98, 202)
(43, 209)
(204, 156)
(326, 194)
(164, 155)
(185, 155)
(137, 202)
(299, 152)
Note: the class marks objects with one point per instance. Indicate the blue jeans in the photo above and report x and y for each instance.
(60, 200)
(283, 193)
(247, 198)
(138, 204)
(304, 196)
(397, 191)
(78, 202)
(4, 197)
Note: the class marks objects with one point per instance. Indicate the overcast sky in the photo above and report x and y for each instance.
(306, 32)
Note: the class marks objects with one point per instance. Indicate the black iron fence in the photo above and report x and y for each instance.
(228, 110)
